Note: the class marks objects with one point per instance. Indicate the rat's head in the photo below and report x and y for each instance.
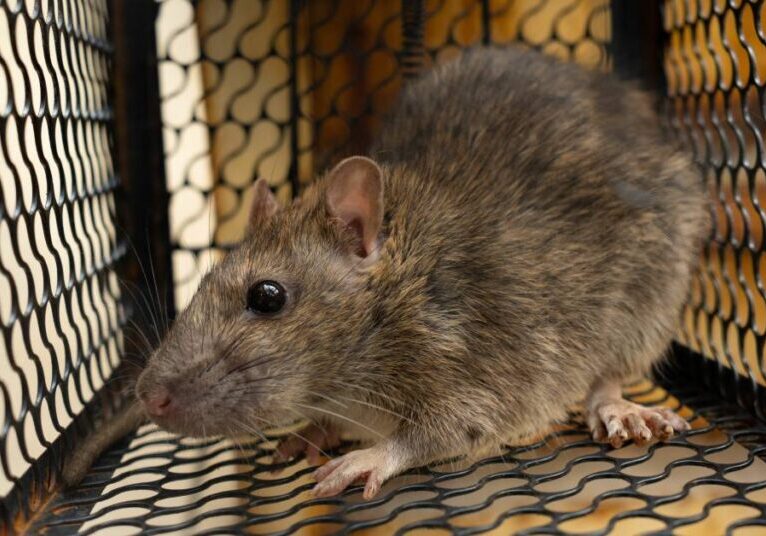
(278, 320)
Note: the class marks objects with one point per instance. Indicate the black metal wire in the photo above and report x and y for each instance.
(61, 314)
(412, 37)
(295, 8)
(714, 60)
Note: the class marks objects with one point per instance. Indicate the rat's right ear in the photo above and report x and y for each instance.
(355, 197)
(263, 205)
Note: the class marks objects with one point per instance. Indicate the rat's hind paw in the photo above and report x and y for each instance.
(616, 421)
(312, 440)
(369, 465)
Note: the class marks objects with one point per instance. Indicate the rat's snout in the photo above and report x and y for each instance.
(194, 399)
(159, 402)
(173, 400)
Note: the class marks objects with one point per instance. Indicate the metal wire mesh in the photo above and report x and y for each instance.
(60, 312)
(703, 483)
(715, 66)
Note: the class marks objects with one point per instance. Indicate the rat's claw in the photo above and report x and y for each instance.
(616, 421)
(367, 465)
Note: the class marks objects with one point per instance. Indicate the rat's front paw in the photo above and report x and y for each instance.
(616, 421)
(373, 466)
(313, 440)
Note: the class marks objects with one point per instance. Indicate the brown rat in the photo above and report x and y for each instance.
(521, 239)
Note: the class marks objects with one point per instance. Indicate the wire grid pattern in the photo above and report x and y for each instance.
(576, 30)
(706, 482)
(716, 70)
(60, 313)
(283, 89)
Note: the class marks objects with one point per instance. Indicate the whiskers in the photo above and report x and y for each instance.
(375, 393)
(296, 435)
(232, 435)
(255, 431)
(260, 360)
(341, 417)
(362, 403)
(153, 306)
(147, 319)
(380, 408)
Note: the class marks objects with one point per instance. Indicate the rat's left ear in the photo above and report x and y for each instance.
(355, 196)
(263, 205)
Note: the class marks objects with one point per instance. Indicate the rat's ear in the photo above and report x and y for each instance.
(355, 196)
(263, 205)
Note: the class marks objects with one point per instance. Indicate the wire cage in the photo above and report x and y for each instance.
(130, 131)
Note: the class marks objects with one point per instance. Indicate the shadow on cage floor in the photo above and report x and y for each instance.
(709, 481)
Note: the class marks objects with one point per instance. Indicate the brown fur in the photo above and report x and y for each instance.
(539, 235)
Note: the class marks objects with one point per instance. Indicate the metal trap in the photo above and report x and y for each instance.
(131, 130)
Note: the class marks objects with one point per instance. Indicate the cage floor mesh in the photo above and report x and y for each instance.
(708, 481)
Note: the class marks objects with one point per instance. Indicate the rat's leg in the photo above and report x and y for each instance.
(612, 418)
(405, 448)
(312, 440)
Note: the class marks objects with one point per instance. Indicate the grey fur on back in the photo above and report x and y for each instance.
(552, 224)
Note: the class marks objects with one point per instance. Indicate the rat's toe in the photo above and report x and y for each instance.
(367, 465)
(321, 473)
(660, 427)
(338, 477)
(678, 423)
(637, 428)
(616, 432)
(330, 487)
(372, 486)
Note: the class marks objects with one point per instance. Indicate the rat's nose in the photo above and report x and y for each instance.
(159, 403)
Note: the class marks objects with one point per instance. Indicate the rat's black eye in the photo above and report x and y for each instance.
(266, 297)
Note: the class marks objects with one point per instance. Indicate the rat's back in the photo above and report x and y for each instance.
(562, 217)
(525, 116)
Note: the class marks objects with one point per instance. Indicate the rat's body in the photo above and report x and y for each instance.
(524, 241)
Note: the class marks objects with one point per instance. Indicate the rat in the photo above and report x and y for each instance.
(519, 239)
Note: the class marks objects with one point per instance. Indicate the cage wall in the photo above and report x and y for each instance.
(715, 63)
(61, 319)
